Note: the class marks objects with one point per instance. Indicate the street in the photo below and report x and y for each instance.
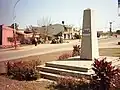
(49, 48)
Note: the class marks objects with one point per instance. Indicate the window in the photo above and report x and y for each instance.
(10, 39)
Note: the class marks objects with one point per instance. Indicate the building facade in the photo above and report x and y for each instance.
(6, 36)
(56, 30)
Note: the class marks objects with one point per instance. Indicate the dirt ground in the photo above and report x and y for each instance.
(7, 84)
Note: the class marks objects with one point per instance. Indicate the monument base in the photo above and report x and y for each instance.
(70, 67)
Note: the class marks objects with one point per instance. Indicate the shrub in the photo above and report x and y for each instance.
(22, 70)
(70, 83)
(76, 50)
(77, 36)
(64, 56)
(115, 82)
(118, 32)
(104, 74)
(26, 41)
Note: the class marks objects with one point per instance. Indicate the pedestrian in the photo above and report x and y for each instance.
(35, 40)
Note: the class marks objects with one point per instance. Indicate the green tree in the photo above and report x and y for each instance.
(16, 26)
(45, 22)
(77, 36)
(118, 32)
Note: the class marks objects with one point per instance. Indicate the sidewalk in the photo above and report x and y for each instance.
(18, 48)
(31, 47)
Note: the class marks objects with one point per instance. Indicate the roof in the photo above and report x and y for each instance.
(40, 30)
(6, 27)
(55, 29)
(52, 29)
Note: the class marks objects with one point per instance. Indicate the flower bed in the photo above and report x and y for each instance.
(65, 56)
(70, 83)
(75, 52)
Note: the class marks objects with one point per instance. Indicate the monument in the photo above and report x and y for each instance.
(79, 65)
(89, 44)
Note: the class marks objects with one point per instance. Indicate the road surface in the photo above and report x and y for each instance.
(48, 48)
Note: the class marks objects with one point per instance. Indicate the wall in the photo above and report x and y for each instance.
(6, 32)
(0, 34)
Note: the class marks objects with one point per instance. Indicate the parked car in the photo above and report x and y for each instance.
(26, 41)
(54, 41)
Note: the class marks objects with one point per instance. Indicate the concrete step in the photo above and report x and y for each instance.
(55, 69)
(76, 68)
(49, 76)
(67, 67)
(64, 71)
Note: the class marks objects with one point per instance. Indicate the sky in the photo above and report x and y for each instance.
(28, 12)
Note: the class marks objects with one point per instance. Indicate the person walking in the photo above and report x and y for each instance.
(35, 41)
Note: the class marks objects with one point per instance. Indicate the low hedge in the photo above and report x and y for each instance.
(22, 70)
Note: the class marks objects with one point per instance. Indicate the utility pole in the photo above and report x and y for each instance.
(14, 16)
(63, 30)
(110, 28)
(80, 34)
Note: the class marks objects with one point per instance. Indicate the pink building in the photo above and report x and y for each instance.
(6, 35)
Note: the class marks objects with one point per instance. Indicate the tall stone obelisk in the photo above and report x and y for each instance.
(89, 44)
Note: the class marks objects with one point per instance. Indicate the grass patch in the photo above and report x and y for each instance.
(115, 52)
